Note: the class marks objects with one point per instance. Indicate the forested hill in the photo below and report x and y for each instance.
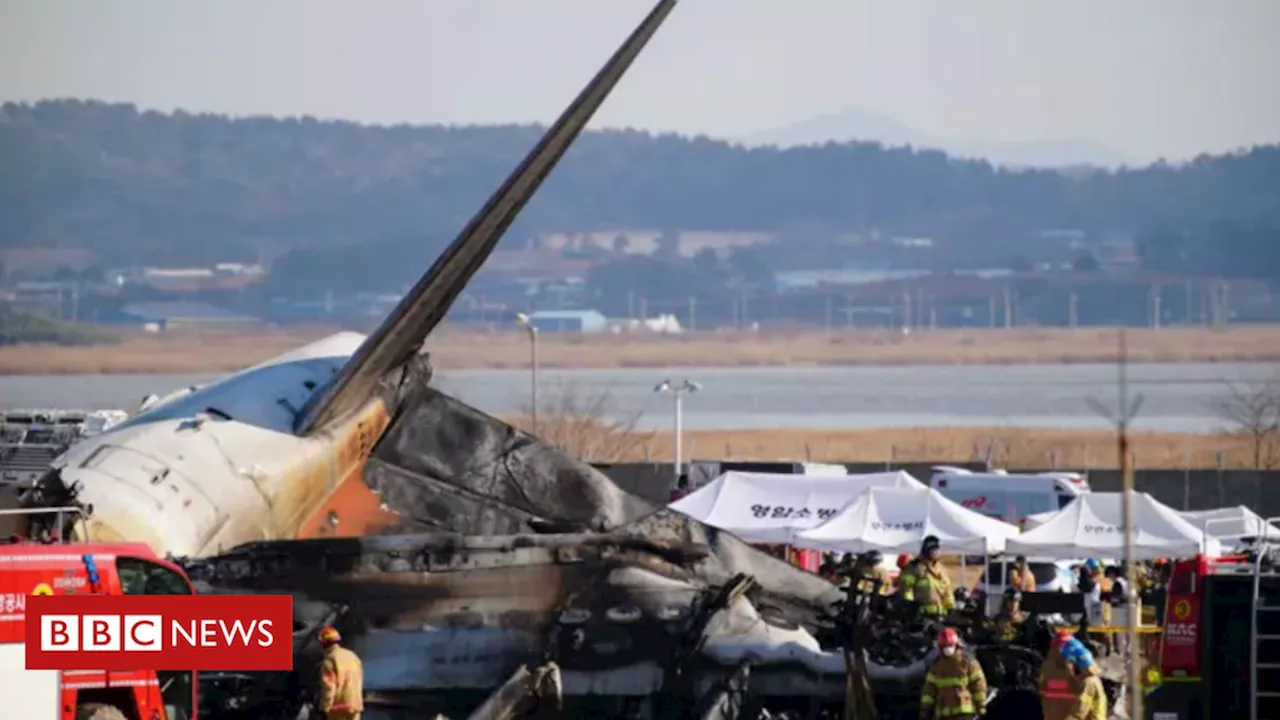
(183, 188)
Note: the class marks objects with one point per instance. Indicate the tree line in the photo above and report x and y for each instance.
(352, 207)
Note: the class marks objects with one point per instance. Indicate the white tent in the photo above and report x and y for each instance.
(1035, 520)
(1232, 523)
(897, 520)
(1093, 526)
(771, 508)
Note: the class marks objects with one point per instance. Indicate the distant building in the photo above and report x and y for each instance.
(579, 321)
(187, 315)
(220, 277)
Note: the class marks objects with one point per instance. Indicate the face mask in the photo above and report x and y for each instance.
(949, 651)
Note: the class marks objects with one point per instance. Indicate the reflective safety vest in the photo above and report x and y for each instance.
(1057, 688)
(954, 686)
(341, 681)
(870, 576)
(907, 580)
(933, 589)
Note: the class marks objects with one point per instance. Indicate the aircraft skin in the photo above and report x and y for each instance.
(203, 471)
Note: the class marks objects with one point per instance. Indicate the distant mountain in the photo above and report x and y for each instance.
(870, 126)
(352, 208)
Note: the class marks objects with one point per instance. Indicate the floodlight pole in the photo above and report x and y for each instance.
(532, 329)
(678, 392)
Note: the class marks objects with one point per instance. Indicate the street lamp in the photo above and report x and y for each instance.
(527, 322)
(678, 391)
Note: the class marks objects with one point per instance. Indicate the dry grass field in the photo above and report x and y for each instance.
(1010, 447)
(187, 352)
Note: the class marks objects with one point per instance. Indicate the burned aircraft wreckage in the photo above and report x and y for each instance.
(512, 554)
(516, 580)
(512, 557)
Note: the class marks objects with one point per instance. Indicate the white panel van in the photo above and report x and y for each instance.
(1010, 497)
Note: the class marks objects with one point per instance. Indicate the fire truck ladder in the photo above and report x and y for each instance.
(1263, 616)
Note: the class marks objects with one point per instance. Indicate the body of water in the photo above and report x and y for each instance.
(1176, 397)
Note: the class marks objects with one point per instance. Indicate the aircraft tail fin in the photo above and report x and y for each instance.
(403, 332)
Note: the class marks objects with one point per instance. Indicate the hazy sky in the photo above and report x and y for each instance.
(1146, 77)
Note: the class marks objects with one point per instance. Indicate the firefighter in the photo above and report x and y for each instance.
(828, 567)
(1020, 576)
(905, 570)
(928, 585)
(1090, 697)
(341, 679)
(955, 686)
(1007, 623)
(869, 576)
(1057, 681)
(1099, 597)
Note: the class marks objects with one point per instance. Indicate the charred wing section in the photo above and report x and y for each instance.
(640, 611)
(445, 466)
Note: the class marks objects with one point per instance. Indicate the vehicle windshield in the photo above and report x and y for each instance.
(144, 577)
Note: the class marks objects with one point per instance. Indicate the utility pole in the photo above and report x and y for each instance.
(1121, 418)
(693, 313)
(1073, 318)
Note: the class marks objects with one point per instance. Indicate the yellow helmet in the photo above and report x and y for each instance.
(329, 636)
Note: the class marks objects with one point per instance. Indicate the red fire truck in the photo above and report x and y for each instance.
(1220, 651)
(49, 568)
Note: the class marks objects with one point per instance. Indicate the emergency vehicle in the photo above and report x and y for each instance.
(1011, 497)
(33, 568)
(1220, 650)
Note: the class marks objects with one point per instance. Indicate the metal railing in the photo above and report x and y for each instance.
(77, 513)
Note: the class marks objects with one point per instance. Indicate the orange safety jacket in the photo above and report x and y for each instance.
(1022, 580)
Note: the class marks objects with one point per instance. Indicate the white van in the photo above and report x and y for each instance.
(1008, 497)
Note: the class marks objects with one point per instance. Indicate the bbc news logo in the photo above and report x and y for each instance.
(151, 632)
